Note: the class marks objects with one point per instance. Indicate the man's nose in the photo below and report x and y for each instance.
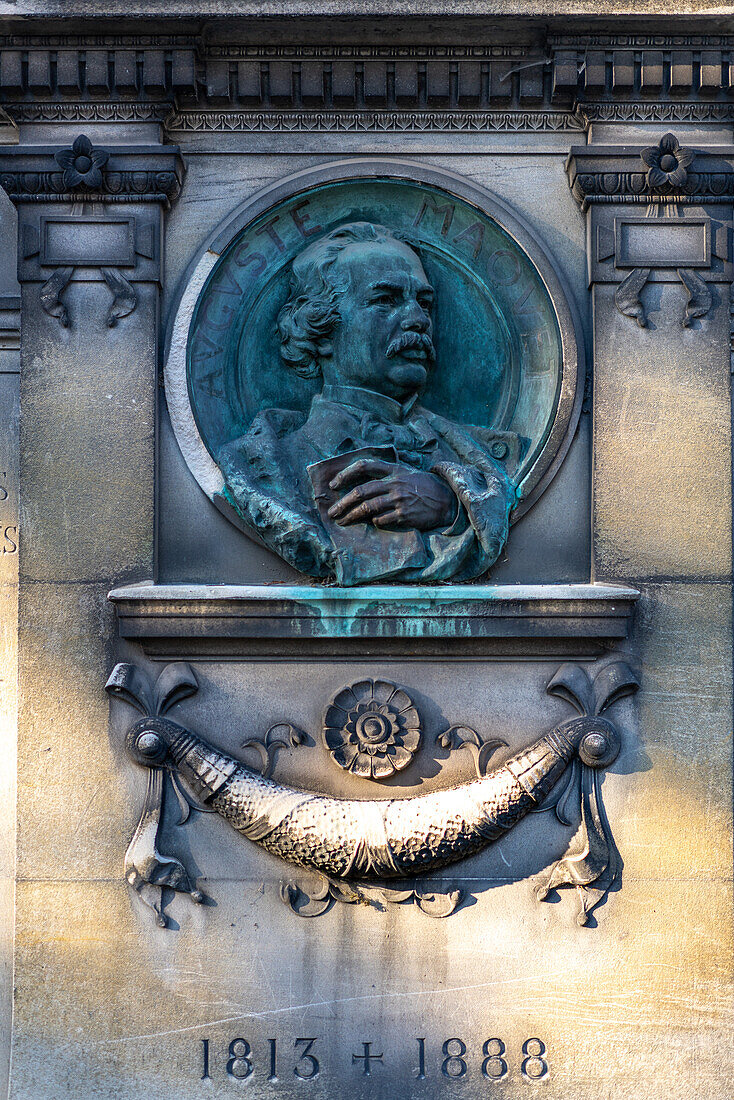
(416, 319)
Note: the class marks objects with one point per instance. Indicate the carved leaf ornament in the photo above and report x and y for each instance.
(358, 845)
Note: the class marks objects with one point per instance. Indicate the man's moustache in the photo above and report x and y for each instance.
(409, 341)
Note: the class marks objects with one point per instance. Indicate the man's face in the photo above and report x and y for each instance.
(384, 340)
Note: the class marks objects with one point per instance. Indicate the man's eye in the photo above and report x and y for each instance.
(383, 299)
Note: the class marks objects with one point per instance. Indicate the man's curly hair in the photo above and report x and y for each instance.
(312, 311)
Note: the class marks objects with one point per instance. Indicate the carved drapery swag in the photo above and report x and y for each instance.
(356, 845)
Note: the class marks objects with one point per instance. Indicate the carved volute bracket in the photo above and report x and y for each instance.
(90, 214)
(661, 213)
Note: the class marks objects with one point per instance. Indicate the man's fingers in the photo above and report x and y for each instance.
(368, 510)
(389, 519)
(361, 470)
(361, 493)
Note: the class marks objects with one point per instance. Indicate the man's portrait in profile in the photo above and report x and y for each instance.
(369, 484)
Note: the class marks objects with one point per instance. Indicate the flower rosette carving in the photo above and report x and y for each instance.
(82, 164)
(667, 164)
(372, 729)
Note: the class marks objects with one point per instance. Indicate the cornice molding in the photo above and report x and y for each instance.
(622, 71)
(638, 41)
(88, 112)
(107, 40)
(235, 51)
(127, 174)
(656, 112)
(633, 69)
(372, 121)
(617, 174)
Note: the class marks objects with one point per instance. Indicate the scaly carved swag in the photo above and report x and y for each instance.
(360, 843)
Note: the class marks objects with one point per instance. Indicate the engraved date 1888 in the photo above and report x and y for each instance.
(279, 1059)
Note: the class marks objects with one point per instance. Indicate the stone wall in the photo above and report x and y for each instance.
(282, 982)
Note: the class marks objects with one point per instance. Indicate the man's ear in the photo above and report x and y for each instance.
(325, 349)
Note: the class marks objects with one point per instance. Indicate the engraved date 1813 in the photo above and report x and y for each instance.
(278, 1059)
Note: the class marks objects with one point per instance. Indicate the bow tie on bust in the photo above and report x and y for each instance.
(411, 440)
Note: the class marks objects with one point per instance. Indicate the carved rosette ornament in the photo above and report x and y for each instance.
(667, 164)
(82, 164)
(372, 729)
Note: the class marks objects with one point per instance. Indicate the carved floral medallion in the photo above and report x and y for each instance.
(372, 729)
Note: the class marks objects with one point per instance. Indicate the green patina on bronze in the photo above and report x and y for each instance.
(373, 365)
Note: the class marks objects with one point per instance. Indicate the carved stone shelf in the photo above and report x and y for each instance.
(207, 621)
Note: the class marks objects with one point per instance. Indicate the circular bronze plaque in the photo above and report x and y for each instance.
(505, 341)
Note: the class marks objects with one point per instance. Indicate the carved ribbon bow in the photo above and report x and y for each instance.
(592, 862)
(146, 869)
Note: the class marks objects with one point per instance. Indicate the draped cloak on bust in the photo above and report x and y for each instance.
(268, 483)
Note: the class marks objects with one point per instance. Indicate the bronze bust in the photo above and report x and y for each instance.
(369, 485)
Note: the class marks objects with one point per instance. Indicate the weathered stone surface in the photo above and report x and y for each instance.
(106, 1004)
(437, 980)
(64, 644)
(684, 733)
(365, 7)
(662, 448)
(9, 556)
(87, 438)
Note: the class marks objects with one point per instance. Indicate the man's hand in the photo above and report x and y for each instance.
(390, 495)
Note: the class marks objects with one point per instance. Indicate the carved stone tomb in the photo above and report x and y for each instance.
(365, 550)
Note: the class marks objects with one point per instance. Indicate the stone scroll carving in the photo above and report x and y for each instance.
(374, 379)
(667, 173)
(662, 214)
(367, 849)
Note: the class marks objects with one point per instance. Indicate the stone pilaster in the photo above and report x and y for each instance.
(89, 266)
(659, 255)
(660, 266)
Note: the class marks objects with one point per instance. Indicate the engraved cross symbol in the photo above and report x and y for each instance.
(368, 1057)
